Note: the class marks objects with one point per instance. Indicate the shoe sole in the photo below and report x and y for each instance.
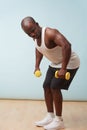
(42, 125)
(55, 128)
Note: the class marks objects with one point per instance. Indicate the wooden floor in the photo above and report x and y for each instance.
(21, 114)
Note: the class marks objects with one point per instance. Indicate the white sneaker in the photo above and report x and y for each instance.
(48, 119)
(56, 124)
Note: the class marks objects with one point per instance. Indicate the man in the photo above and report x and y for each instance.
(56, 48)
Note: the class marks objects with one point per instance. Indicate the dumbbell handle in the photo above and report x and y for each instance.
(67, 75)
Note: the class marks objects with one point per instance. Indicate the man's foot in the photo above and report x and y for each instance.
(48, 119)
(56, 124)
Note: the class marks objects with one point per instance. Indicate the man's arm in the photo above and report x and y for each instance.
(61, 41)
(66, 48)
(39, 57)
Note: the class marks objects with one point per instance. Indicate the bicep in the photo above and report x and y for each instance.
(56, 37)
(61, 40)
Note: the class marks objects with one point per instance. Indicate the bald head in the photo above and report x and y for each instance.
(31, 27)
(25, 23)
(27, 20)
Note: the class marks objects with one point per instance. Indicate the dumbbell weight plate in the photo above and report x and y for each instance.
(67, 75)
(56, 74)
(38, 73)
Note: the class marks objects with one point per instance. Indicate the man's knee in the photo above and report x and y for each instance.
(46, 89)
(55, 90)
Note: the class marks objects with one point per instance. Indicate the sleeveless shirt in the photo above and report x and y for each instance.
(55, 54)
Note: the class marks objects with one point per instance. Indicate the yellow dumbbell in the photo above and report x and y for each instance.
(37, 73)
(67, 75)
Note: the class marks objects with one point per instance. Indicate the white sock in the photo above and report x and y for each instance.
(59, 118)
(50, 114)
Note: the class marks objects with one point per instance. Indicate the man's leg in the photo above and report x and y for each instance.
(57, 123)
(49, 104)
(48, 99)
(57, 98)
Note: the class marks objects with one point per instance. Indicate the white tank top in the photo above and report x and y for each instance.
(55, 54)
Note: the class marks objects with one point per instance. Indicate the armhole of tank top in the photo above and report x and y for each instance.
(42, 38)
(43, 35)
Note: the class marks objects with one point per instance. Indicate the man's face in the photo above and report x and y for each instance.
(33, 30)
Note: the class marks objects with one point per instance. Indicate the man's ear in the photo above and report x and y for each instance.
(37, 24)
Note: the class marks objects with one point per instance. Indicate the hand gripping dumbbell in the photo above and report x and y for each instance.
(67, 75)
(37, 73)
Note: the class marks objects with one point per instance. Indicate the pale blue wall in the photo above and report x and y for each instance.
(17, 50)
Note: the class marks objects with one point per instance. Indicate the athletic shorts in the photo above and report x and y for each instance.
(60, 83)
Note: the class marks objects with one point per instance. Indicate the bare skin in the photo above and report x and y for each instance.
(52, 39)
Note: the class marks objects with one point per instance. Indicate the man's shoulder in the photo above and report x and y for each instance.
(50, 31)
(49, 28)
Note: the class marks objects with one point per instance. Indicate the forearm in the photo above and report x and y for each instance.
(39, 57)
(66, 52)
(38, 61)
